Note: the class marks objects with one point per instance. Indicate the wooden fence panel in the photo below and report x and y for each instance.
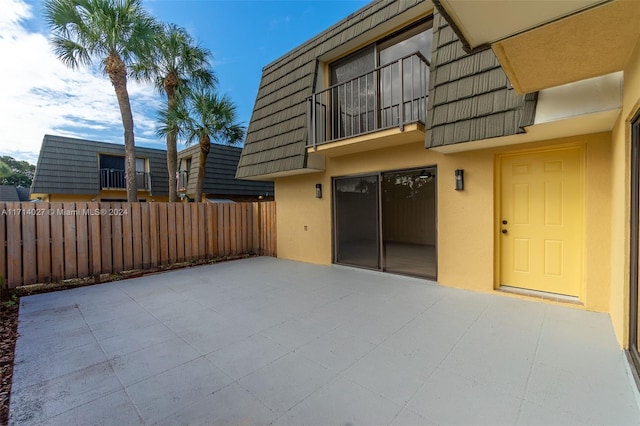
(255, 211)
(82, 241)
(136, 233)
(163, 234)
(222, 249)
(195, 233)
(14, 245)
(57, 242)
(180, 223)
(145, 230)
(127, 235)
(190, 226)
(70, 240)
(29, 267)
(43, 245)
(106, 238)
(116, 238)
(95, 240)
(212, 226)
(171, 233)
(229, 231)
(154, 235)
(237, 221)
(202, 231)
(246, 226)
(75, 240)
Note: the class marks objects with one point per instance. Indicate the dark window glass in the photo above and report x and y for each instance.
(353, 65)
(112, 162)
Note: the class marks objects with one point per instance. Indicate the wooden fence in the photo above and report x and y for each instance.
(49, 242)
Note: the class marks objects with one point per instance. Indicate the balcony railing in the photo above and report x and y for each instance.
(391, 95)
(116, 179)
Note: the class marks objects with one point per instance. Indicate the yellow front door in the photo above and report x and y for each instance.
(541, 221)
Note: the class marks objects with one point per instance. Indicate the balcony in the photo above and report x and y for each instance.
(391, 96)
(116, 179)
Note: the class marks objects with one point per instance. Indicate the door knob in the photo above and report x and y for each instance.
(504, 222)
(504, 231)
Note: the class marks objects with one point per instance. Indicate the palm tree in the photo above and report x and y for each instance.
(203, 115)
(114, 32)
(175, 63)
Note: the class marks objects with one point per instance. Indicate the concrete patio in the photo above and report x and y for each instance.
(269, 341)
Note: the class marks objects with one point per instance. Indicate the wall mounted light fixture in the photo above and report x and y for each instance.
(318, 190)
(459, 180)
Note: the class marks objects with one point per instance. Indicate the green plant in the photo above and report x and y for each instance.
(13, 301)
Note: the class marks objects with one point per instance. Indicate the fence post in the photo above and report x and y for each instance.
(29, 264)
(95, 245)
(14, 246)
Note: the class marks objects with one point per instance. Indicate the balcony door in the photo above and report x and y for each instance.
(382, 85)
(404, 85)
(352, 94)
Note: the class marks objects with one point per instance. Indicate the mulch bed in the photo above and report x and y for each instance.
(8, 337)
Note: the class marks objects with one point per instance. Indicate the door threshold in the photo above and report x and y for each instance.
(540, 294)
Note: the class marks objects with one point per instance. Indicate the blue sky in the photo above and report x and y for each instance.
(44, 96)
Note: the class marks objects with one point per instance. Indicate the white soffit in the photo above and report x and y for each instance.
(580, 98)
(487, 21)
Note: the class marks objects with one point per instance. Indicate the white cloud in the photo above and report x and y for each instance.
(41, 95)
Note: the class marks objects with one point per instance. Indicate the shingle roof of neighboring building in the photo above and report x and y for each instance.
(13, 193)
(277, 134)
(70, 166)
(469, 95)
(220, 171)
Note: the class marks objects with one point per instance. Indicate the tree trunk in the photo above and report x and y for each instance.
(172, 166)
(205, 145)
(172, 148)
(117, 71)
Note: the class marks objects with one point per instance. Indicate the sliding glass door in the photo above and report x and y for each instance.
(409, 222)
(387, 221)
(356, 221)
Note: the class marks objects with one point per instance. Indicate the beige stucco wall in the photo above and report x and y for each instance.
(466, 219)
(620, 195)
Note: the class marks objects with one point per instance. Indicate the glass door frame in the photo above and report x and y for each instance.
(633, 353)
(334, 224)
(380, 237)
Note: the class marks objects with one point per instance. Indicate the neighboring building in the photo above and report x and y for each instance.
(513, 168)
(13, 193)
(77, 170)
(220, 183)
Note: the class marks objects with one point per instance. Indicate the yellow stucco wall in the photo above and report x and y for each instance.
(466, 219)
(620, 195)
